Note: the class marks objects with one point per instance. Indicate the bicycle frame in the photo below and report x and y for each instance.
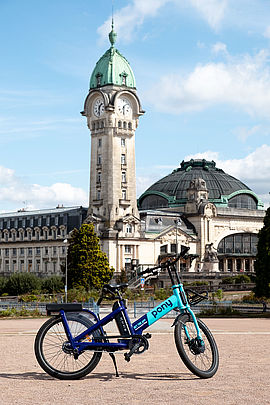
(177, 300)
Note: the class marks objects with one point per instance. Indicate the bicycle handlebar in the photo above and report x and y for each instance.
(167, 263)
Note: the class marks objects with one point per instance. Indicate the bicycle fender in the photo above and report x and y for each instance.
(178, 319)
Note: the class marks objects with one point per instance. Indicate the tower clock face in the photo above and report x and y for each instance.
(98, 107)
(124, 106)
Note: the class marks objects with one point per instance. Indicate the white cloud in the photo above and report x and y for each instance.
(243, 133)
(14, 192)
(219, 47)
(267, 32)
(243, 83)
(130, 17)
(213, 11)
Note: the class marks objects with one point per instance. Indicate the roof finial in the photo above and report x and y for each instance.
(112, 34)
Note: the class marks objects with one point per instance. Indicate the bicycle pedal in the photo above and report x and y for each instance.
(148, 335)
(127, 357)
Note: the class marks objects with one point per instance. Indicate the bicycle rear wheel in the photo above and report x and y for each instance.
(54, 355)
(201, 360)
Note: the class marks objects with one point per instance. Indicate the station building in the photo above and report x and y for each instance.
(197, 205)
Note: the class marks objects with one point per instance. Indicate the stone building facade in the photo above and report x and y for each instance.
(198, 205)
(33, 241)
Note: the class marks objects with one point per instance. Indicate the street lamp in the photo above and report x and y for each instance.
(177, 223)
(65, 241)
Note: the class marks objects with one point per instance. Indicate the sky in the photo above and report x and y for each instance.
(202, 73)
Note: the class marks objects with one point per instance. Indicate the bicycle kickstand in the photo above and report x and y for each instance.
(114, 363)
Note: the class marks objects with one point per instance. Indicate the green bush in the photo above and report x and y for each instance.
(52, 284)
(22, 283)
(227, 280)
(79, 294)
(3, 285)
(242, 279)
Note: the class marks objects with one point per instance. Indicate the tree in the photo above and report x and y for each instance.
(22, 283)
(87, 265)
(262, 264)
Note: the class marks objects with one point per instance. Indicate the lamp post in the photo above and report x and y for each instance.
(65, 241)
(177, 223)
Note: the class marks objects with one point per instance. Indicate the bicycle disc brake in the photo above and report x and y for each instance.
(196, 346)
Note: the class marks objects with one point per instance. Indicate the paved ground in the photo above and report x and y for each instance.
(156, 377)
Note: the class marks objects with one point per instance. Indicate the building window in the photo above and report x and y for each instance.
(46, 250)
(30, 251)
(119, 124)
(38, 251)
(124, 194)
(14, 252)
(7, 252)
(124, 80)
(22, 251)
(173, 247)
(124, 177)
(21, 235)
(29, 235)
(14, 265)
(6, 265)
(99, 159)
(127, 249)
(99, 177)
(6, 237)
(37, 235)
(123, 159)
(123, 142)
(54, 235)
(54, 250)
(124, 125)
(21, 265)
(99, 142)
(30, 265)
(13, 236)
(98, 195)
(164, 249)
(129, 125)
(128, 228)
(38, 266)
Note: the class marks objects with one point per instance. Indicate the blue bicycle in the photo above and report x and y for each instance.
(70, 344)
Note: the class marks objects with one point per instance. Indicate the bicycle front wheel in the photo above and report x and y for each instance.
(54, 354)
(201, 359)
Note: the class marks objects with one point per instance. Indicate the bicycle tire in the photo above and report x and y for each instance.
(50, 353)
(203, 364)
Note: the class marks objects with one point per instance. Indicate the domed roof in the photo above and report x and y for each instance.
(172, 190)
(112, 68)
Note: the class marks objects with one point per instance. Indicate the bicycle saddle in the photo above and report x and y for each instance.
(114, 287)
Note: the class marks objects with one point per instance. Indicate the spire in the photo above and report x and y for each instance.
(112, 35)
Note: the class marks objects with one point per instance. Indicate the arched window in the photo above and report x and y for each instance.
(238, 244)
(124, 125)
(119, 124)
(243, 201)
(129, 125)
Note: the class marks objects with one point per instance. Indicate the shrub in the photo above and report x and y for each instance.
(227, 280)
(3, 285)
(52, 284)
(22, 283)
(241, 279)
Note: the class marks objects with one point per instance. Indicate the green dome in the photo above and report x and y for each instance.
(224, 190)
(112, 68)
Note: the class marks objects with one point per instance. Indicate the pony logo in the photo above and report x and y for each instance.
(161, 308)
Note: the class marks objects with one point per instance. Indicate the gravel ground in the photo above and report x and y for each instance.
(158, 376)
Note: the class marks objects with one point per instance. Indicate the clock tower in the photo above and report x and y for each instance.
(112, 109)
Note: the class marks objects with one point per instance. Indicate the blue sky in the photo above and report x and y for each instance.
(202, 72)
